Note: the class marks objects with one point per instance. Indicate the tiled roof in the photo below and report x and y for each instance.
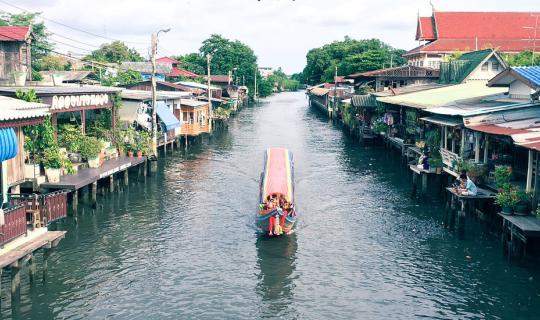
(424, 30)
(15, 109)
(319, 91)
(64, 89)
(14, 33)
(465, 31)
(177, 72)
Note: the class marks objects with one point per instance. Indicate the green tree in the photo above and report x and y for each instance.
(193, 62)
(114, 52)
(50, 62)
(524, 58)
(122, 78)
(350, 56)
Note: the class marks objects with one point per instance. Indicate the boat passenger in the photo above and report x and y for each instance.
(468, 187)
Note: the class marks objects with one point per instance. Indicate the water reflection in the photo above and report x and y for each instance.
(277, 263)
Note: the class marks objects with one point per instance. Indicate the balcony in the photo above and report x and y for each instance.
(42, 209)
(194, 129)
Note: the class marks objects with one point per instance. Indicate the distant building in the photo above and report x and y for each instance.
(397, 77)
(266, 72)
(176, 72)
(15, 53)
(447, 32)
(145, 69)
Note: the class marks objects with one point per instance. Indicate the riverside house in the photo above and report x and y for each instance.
(15, 56)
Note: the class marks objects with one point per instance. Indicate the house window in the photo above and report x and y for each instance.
(184, 116)
(495, 66)
(485, 67)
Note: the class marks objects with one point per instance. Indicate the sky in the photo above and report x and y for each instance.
(279, 31)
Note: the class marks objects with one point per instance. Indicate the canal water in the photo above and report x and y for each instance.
(183, 245)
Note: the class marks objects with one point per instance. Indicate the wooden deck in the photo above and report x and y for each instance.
(88, 176)
(481, 194)
(529, 226)
(47, 240)
(399, 144)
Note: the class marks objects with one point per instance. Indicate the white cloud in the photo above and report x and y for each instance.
(280, 31)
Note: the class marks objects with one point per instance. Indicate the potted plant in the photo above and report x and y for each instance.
(523, 202)
(507, 199)
(52, 162)
(502, 176)
(435, 164)
(91, 151)
(70, 137)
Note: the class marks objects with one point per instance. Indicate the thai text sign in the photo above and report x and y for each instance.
(80, 101)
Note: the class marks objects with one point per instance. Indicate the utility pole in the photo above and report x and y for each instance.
(255, 87)
(335, 90)
(209, 92)
(154, 97)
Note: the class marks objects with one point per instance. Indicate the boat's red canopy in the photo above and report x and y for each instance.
(277, 174)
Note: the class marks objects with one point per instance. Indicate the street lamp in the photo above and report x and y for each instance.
(154, 98)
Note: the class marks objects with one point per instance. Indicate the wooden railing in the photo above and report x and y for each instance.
(14, 223)
(50, 207)
(449, 158)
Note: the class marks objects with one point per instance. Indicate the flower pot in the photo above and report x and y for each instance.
(31, 170)
(75, 157)
(139, 154)
(521, 210)
(506, 210)
(438, 170)
(130, 154)
(94, 163)
(53, 175)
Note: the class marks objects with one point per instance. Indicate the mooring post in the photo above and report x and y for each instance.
(424, 183)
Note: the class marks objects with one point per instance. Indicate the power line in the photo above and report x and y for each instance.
(67, 26)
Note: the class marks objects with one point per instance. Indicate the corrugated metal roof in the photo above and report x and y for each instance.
(193, 103)
(197, 85)
(146, 67)
(16, 109)
(67, 75)
(443, 96)
(523, 126)
(14, 33)
(319, 91)
(366, 101)
(64, 89)
(143, 95)
(444, 120)
(531, 73)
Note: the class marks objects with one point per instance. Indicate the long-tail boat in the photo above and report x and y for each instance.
(277, 212)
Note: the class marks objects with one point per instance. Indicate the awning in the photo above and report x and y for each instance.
(8, 144)
(444, 121)
(166, 116)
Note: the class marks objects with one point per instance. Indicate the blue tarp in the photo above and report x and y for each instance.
(166, 116)
(8, 144)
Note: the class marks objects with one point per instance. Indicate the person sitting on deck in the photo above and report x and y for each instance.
(468, 188)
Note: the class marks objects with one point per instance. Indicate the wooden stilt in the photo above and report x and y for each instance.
(32, 269)
(424, 183)
(75, 200)
(15, 279)
(46, 255)
(93, 196)
(126, 178)
(145, 167)
(111, 183)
